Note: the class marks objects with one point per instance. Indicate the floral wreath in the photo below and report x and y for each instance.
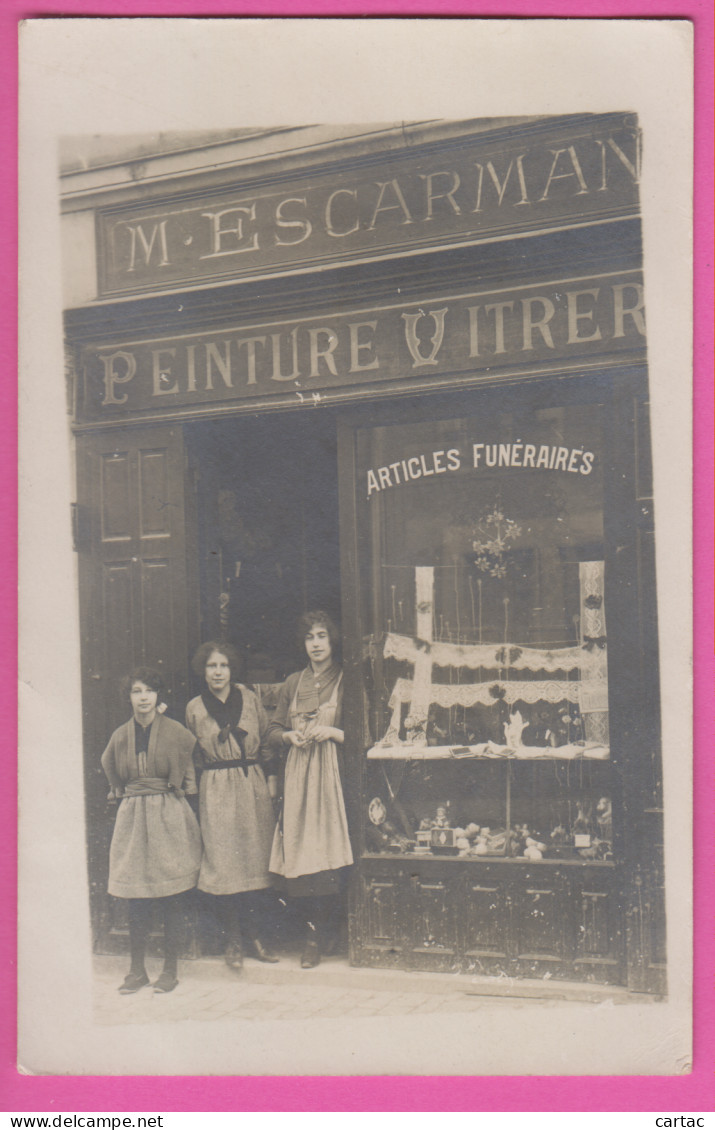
(493, 534)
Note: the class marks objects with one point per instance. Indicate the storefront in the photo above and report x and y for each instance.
(398, 373)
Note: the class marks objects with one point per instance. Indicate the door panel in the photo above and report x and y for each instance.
(378, 941)
(431, 920)
(115, 496)
(154, 502)
(539, 923)
(134, 606)
(487, 912)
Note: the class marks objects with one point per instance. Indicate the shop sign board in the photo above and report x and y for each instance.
(310, 359)
(473, 189)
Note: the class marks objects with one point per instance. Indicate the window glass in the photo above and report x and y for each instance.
(482, 596)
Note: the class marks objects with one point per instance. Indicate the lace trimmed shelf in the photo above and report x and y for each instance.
(587, 751)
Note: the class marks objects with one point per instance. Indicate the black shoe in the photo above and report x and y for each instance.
(133, 982)
(166, 983)
(234, 956)
(264, 953)
(311, 955)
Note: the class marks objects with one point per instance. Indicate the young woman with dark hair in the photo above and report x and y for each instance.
(311, 846)
(156, 846)
(236, 788)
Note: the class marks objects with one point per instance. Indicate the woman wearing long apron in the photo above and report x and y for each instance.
(156, 845)
(235, 800)
(311, 846)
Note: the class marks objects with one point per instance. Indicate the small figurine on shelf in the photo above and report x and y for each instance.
(558, 837)
(438, 735)
(604, 819)
(581, 827)
(441, 819)
(559, 844)
(443, 837)
(416, 727)
(481, 846)
(599, 849)
(605, 850)
(513, 729)
(538, 731)
(513, 842)
(519, 835)
(534, 849)
(496, 841)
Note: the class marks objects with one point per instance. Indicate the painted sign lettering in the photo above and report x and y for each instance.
(310, 359)
(484, 456)
(466, 190)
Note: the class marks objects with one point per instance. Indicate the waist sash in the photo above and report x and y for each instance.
(148, 786)
(234, 763)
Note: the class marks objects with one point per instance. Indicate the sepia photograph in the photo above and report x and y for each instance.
(366, 591)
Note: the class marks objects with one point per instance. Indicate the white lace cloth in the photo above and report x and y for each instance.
(589, 751)
(471, 694)
(489, 656)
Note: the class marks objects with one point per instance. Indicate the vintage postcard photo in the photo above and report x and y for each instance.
(356, 580)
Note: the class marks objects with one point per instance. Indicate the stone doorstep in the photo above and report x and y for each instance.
(337, 973)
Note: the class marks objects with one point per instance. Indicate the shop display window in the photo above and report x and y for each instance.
(485, 654)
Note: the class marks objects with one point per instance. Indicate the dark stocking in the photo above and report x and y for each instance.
(173, 915)
(327, 913)
(311, 914)
(228, 908)
(257, 912)
(139, 922)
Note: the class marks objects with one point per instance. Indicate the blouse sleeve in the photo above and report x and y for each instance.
(265, 752)
(190, 722)
(197, 757)
(280, 722)
(109, 765)
(189, 785)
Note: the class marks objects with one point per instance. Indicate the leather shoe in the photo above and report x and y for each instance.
(165, 983)
(311, 955)
(133, 982)
(264, 953)
(234, 956)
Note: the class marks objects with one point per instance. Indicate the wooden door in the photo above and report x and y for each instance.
(136, 606)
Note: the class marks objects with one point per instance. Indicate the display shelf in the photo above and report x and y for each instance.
(489, 750)
(484, 860)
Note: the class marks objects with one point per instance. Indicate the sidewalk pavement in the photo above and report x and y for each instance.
(208, 990)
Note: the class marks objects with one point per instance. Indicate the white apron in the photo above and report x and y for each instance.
(312, 834)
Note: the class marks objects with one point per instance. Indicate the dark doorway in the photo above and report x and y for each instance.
(267, 508)
(266, 497)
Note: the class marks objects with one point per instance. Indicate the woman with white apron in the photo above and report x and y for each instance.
(311, 845)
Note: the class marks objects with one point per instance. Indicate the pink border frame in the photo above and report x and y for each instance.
(692, 1092)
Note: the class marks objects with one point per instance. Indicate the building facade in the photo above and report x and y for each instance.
(398, 372)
